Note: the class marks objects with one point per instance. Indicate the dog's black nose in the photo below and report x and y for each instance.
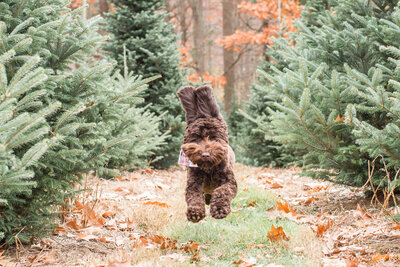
(205, 155)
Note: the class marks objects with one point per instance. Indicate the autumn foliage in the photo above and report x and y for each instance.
(273, 19)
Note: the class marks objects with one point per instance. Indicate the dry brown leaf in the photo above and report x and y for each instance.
(379, 257)
(190, 247)
(322, 227)
(149, 171)
(245, 190)
(108, 214)
(243, 262)
(396, 227)
(311, 199)
(351, 263)
(277, 234)
(286, 208)
(73, 224)
(340, 119)
(252, 204)
(118, 178)
(276, 186)
(160, 204)
(360, 212)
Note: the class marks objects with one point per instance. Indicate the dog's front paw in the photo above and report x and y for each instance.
(220, 211)
(195, 213)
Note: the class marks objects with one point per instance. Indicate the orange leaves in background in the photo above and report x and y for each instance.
(277, 234)
(165, 205)
(78, 3)
(216, 81)
(263, 10)
(286, 208)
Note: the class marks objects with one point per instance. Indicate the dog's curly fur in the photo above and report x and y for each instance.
(206, 144)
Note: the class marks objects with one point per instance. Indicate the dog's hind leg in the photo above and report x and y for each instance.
(206, 104)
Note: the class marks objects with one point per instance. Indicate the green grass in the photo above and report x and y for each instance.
(228, 238)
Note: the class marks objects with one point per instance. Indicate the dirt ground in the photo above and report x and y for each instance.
(108, 225)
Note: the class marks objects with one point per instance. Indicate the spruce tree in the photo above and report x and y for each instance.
(333, 89)
(142, 28)
(63, 113)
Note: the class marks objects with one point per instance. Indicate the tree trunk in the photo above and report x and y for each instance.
(103, 7)
(182, 7)
(198, 35)
(228, 17)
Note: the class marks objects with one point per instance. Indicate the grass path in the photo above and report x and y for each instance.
(139, 219)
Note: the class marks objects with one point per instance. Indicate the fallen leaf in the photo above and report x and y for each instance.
(190, 247)
(252, 204)
(322, 227)
(397, 227)
(286, 208)
(157, 204)
(351, 263)
(360, 212)
(84, 236)
(149, 171)
(243, 262)
(73, 224)
(379, 257)
(311, 199)
(277, 234)
(276, 186)
(108, 214)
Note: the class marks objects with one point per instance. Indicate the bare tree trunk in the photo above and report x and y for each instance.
(182, 7)
(198, 35)
(103, 7)
(229, 13)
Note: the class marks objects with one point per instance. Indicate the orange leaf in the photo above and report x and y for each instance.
(276, 186)
(322, 227)
(149, 171)
(277, 234)
(379, 257)
(73, 224)
(286, 208)
(190, 247)
(397, 227)
(340, 119)
(157, 204)
(362, 213)
(311, 199)
(108, 214)
(252, 204)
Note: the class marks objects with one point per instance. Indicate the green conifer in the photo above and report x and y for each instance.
(333, 89)
(62, 113)
(142, 28)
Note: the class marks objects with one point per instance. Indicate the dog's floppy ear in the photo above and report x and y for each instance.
(187, 97)
(206, 104)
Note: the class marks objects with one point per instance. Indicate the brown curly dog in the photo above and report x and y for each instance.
(206, 144)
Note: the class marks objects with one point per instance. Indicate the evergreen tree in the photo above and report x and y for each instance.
(333, 89)
(151, 45)
(62, 113)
